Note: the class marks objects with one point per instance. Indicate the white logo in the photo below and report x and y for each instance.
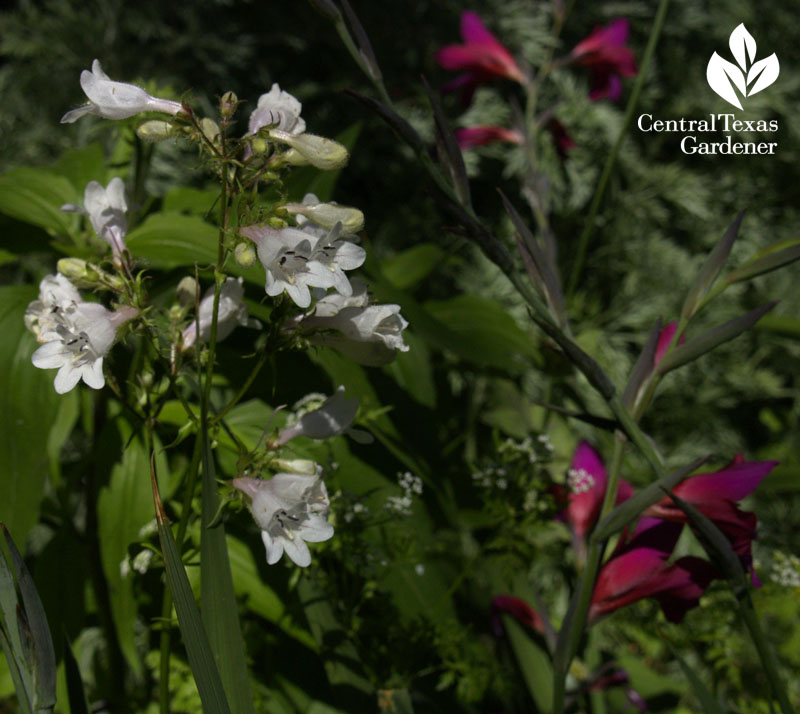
(723, 76)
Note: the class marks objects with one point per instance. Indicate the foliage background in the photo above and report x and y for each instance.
(452, 399)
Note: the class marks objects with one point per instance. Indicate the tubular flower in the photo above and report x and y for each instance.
(116, 100)
(295, 260)
(42, 316)
(334, 417)
(607, 58)
(639, 569)
(232, 312)
(290, 510)
(482, 58)
(83, 335)
(106, 208)
(370, 334)
(324, 216)
(278, 109)
(715, 496)
(472, 136)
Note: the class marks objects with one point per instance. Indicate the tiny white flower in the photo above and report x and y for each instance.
(76, 347)
(41, 316)
(142, 560)
(232, 312)
(116, 100)
(280, 108)
(371, 334)
(295, 260)
(334, 417)
(290, 510)
(106, 208)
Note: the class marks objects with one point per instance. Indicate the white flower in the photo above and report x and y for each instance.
(83, 335)
(280, 108)
(370, 334)
(326, 215)
(290, 509)
(334, 417)
(106, 208)
(116, 100)
(42, 315)
(232, 312)
(295, 260)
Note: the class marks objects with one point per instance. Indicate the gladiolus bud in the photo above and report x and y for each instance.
(155, 130)
(320, 152)
(245, 255)
(328, 215)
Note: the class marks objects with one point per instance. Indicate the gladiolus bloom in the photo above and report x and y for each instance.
(605, 54)
(519, 610)
(482, 58)
(483, 135)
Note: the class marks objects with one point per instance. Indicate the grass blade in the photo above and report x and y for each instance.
(220, 612)
(198, 650)
(76, 693)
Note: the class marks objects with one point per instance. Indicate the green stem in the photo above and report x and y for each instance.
(570, 635)
(589, 226)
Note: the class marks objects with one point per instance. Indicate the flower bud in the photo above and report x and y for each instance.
(227, 105)
(320, 152)
(328, 215)
(155, 130)
(294, 158)
(245, 255)
(187, 290)
(210, 130)
(294, 466)
(86, 275)
(259, 146)
(277, 223)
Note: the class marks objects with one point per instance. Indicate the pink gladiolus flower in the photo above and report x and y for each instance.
(639, 569)
(605, 54)
(665, 338)
(519, 610)
(482, 135)
(715, 495)
(482, 58)
(587, 482)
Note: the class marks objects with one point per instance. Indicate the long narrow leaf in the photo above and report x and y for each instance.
(766, 261)
(76, 694)
(44, 673)
(400, 126)
(201, 659)
(23, 698)
(708, 273)
(643, 367)
(631, 509)
(534, 665)
(700, 345)
(220, 612)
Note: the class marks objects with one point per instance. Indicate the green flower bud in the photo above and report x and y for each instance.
(294, 158)
(323, 153)
(86, 275)
(210, 130)
(259, 146)
(228, 104)
(155, 130)
(294, 466)
(187, 290)
(328, 215)
(245, 255)
(277, 223)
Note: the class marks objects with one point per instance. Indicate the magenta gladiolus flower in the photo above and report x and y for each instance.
(665, 338)
(605, 54)
(587, 483)
(482, 58)
(715, 495)
(481, 135)
(639, 569)
(519, 610)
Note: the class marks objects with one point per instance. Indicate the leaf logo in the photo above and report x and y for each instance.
(749, 77)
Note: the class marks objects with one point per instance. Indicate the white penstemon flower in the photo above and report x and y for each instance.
(371, 334)
(106, 208)
(290, 510)
(280, 109)
(42, 316)
(81, 337)
(232, 312)
(116, 100)
(325, 215)
(295, 260)
(334, 417)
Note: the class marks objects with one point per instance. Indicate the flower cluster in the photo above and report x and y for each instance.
(411, 486)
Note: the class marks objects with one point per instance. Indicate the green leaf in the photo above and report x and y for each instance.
(220, 609)
(705, 697)
(28, 408)
(198, 650)
(194, 201)
(9, 633)
(631, 509)
(534, 664)
(785, 325)
(81, 166)
(36, 196)
(16, 676)
(44, 658)
(413, 372)
(170, 240)
(395, 701)
(407, 268)
(708, 273)
(75, 691)
(700, 345)
(767, 260)
(643, 367)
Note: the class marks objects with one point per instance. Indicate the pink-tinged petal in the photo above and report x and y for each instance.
(519, 610)
(587, 458)
(473, 31)
(686, 581)
(731, 484)
(605, 86)
(615, 34)
(458, 57)
(665, 339)
(470, 137)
